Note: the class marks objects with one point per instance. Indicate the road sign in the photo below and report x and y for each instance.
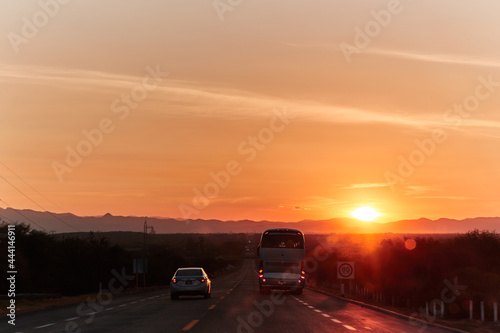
(345, 269)
(140, 266)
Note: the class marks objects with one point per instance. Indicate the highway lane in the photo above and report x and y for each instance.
(235, 306)
(246, 311)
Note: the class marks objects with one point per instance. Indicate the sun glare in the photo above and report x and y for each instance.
(365, 214)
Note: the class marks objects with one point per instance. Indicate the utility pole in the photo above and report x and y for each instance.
(144, 260)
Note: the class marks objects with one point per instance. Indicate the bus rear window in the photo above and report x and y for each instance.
(288, 241)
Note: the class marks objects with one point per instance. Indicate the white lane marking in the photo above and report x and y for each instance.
(326, 315)
(368, 328)
(108, 309)
(133, 302)
(74, 318)
(122, 305)
(152, 297)
(336, 321)
(43, 326)
(317, 310)
(349, 327)
(305, 303)
(310, 307)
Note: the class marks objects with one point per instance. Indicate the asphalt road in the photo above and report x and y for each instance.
(235, 306)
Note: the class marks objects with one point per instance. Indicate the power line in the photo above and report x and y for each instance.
(41, 194)
(27, 218)
(25, 182)
(55, 216)
(6, 218)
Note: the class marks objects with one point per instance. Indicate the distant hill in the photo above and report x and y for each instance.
(69, 223)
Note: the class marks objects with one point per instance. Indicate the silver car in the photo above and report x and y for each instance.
(190, 281)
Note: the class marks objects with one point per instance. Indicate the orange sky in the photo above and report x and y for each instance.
(304, 111)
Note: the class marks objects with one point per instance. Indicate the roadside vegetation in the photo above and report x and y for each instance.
(74, 264)
(410, 271)
(393, 270)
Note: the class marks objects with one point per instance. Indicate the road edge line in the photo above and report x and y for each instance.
(389, 312)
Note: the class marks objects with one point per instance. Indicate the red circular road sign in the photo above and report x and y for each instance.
(345, 270)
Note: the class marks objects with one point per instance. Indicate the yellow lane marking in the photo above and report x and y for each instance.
(222, 297)
(211, 307)
(190, 325)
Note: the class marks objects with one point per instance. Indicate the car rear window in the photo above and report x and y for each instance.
(189, 272)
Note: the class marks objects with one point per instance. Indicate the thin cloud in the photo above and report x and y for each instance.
(444, 197)
(364, 185)
(218, 101)
(417, 190)
(458, 59)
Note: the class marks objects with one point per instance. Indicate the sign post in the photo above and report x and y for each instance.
(345, 270)
(140, 267)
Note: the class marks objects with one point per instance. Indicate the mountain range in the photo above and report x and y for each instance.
(61, 223)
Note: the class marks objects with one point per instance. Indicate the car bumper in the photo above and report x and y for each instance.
(281, 284)
(189, 290)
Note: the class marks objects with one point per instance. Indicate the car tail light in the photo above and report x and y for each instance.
(261, 275)
(260, 271)
(174, 280)
(263, 280)
(202, 280)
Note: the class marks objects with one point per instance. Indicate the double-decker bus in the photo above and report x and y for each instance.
(281, 260)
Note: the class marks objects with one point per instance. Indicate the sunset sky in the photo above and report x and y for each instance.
(299, 109)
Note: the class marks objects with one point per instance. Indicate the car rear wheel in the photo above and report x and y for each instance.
(297, 291)
(174, 296)
(207, 295)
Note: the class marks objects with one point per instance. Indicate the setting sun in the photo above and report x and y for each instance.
(365, 214)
